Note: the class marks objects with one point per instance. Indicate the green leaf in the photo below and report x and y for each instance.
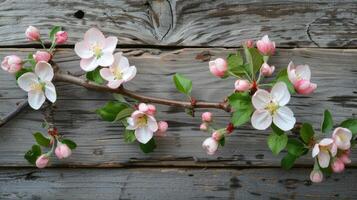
(190, 112)
(241, 116)
(239, 100)
(32, 155)
(222, 141)
(254, 60)
(295, 147)
(72, 145)
(148, 147)
(327, 123)
(41, 140)
(235, 64)
(277, 142)
(95, 76)
(182, 84)
(31, 60)
(21, 72)
(276, 129)
(307, 133)
(350, 124)
(53, 32)
(283, 76)
(129, 136)
(110, 110)
(119, 98)
(126, 112)
(288, 161)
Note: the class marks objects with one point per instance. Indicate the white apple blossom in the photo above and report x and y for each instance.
(39, 85)
(324, 150)
(95, 50)
(270, 107)
(119, 72)
(144, 125)
(342, 138)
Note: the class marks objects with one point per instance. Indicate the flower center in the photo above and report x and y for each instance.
(118, 73)
(272, 107)
(37, 86)
(97, 50)
(142, 121)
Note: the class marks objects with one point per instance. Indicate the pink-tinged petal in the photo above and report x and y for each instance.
(110, 44)
(326, 142)
(303, 71)
(123, 62)
(50, 92)
(129, 73)
(152, 124)
(107, 74)
(106, 59)
(117, 57)
(44, 71)
(210, 145)
(89, 64)
(304, 87)
(315, 150)
(83, 49)
(342, 138)
(280, 94)
(137, 114)
(27, 80)
(284, 118)
(261, 119)
(36, 98)
(131, 123)
(265, 38)
(261, 99)
(291, 72)
(333, 149)
(115, 84)
(94, 35)
(143, 135)
(324, 159)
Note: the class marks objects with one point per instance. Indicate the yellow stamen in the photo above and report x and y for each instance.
(37, 86)
(272, 107)
(97, 50)
(118, 73)
(142, 121)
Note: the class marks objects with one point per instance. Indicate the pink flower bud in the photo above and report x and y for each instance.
(304, 86)
(218, 67)
(207, 117)
(42, 56)
(217, 135)
(162, 128)
(242, 85)
(203, 127)
(265, 46)
(61, 37)
(32, 33)
(337, 165)
(151, 109)
(11, 64)
(345, 158)
(267, 70)
(316, 176)
(249, 43)
(42, 161)
(210, 145)
(143, 107)
(62, 151)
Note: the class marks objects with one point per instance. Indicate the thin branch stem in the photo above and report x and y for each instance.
(20, 106)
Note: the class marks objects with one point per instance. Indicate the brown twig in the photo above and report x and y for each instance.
(62, 77)
(20, 106)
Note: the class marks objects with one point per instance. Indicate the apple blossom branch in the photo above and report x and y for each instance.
(20, 106)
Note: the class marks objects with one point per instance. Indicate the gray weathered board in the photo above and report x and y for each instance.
(163, 37)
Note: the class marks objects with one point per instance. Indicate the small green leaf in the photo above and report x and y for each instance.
(283, 76)
(276, 129)
(239, 100)
(41, 139)
(235, 64)
(110, 110)
(295, 147)
(72, 145)
(129, 136)
(254, 60)
(182, 84)
(32, 155)
(21, 72)
(53, 32)
(126, 112)
(95, 76)
(307, 133)
(148, 147)
(119, 98)
(277, 142)
(222, 141)
(327, 123)
(350, 124)
(241, 116)
(31, 60)
(288, 161)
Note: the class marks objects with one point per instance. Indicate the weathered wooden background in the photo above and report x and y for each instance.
(163, 37)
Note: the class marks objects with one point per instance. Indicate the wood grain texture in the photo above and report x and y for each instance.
(163, 183)
(101, 143)
(188, 23)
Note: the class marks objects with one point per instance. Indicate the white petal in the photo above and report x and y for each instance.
(89, 64)
(117, 57)
(83, 49)
(292, 72)
(333, 150)
(266, 38)
(326, 142)
(106, 59)
(26, 80)
(110, 44)
(315, 150)
(123, 62)
(280, 94)
(143, 135)
(115, 84)
(261, 119)
(303, 71)
(106, 74)
(152, 124)
(284, 118)
(261, 99)
(50, 92)
(129, 73)
(44, 71)
(94, 35)
(324, 159)
(130, 121)
(36, 98)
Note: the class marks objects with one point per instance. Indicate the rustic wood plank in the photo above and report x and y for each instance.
(188, 23)
(160, 183)
(101, 143)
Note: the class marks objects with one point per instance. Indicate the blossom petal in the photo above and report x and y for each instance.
(44, 71)
(83, 49)
(261, 119)
(315, 150)
(261, 99)
(280, 93)
(89, 64)
(50, 92)
(152, 124)
(94, 35)
(324, 159)
(342, 138)
(107, 74)
(291, 72)
(36, 98)
(143, 135)
(27, 80)
(131, 123)
(284, 118)
(106, 59)
(326, 142)
(123, 62)
(129, 73)
(115, 84)
(303, 71)
(110, 44)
